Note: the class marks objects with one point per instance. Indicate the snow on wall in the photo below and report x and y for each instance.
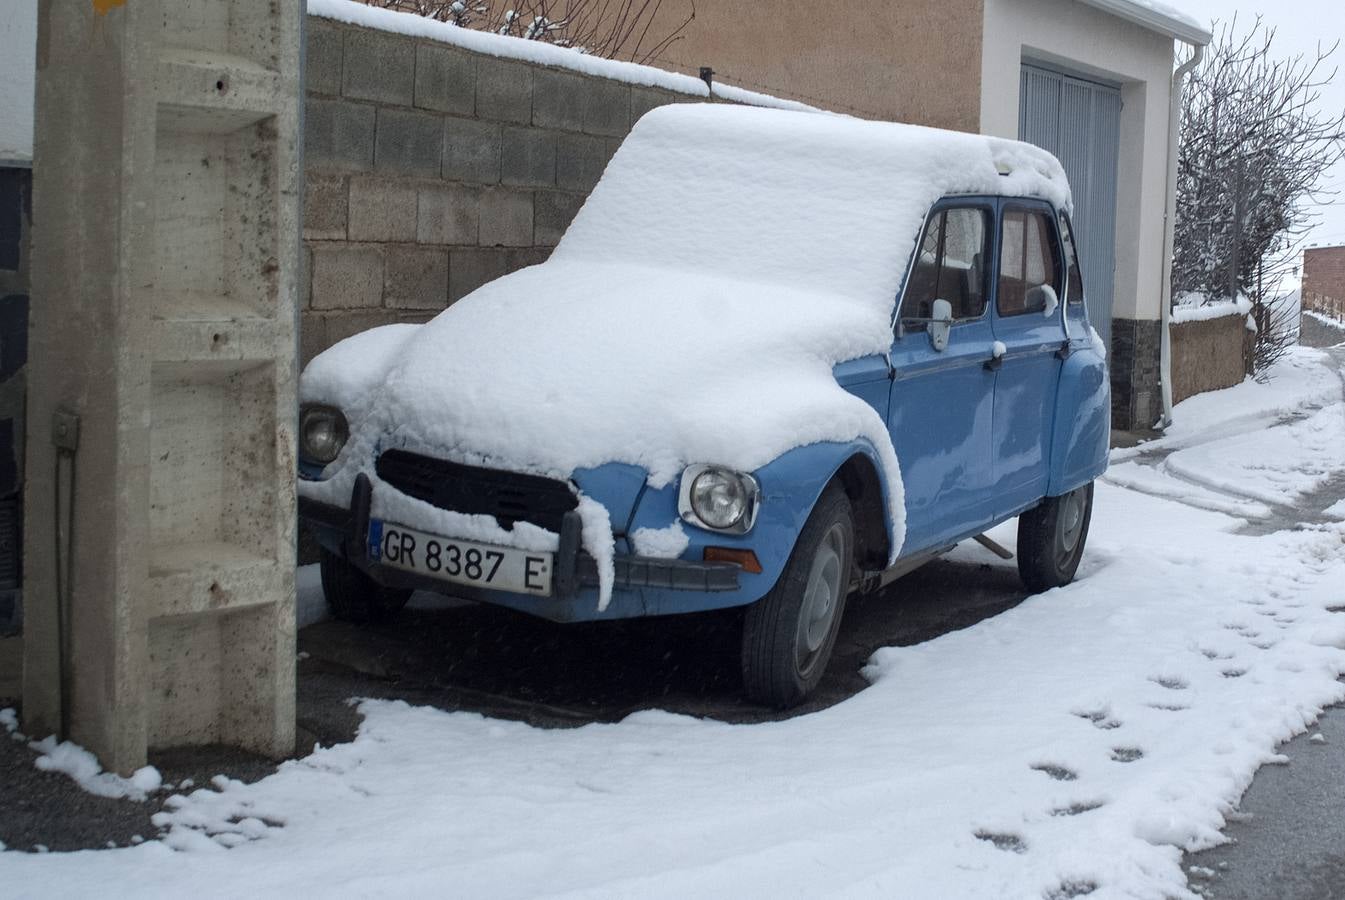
(536, 52)
(1193, 307)
(729, 257)
(18, 59)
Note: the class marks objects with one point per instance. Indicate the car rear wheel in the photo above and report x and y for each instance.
(788, 635)
(353, 596)
(1051, 538)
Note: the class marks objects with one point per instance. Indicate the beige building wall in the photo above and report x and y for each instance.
(913, 61)
(1062, 33)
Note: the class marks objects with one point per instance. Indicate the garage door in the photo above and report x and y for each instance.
(1080, 121)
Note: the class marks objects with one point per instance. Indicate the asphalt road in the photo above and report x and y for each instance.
(1289, 842)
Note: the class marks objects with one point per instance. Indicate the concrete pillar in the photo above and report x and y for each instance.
(164, 278)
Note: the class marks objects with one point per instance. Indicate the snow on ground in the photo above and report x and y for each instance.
(1251, 447)
(1078, 742)
(1304, 379)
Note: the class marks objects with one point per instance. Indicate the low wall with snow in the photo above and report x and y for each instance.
(437, 159)
(1209, 353)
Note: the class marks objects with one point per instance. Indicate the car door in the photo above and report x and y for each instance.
(1030, 335)
(941, 405)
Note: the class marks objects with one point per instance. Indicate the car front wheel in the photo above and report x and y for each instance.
(788, 634)
(353, 596)
(1051, 537)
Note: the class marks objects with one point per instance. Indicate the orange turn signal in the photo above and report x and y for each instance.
(745, 558)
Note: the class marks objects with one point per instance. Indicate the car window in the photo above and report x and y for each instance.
(1074, 284)
(1028, 262)
(950, 265)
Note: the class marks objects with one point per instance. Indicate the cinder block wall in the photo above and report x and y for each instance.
(1209, 355)
(431, 170)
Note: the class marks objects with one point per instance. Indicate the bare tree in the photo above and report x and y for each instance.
(1254, 149)
(614, 29)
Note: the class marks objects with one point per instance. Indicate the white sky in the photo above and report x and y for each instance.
(1300, 26)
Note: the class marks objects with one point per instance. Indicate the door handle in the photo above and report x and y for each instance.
(996, 359)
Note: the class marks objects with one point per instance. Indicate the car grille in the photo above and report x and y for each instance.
(508, 496)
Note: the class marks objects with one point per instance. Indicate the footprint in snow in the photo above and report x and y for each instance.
(1059, 773)
(1264, 645)
(1073, 887)
(1215, 654)
(1003, 840)
(1126, 754)
(1243, 630)
(1336, 609)
(1100, 719)
(1169, 707)
(1077, 808)
(1171, 682)
(1233, 673)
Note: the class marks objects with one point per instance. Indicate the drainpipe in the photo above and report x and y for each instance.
(1169, 228)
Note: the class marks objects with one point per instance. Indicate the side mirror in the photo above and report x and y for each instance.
(940, 324)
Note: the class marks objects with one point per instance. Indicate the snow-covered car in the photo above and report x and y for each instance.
(776, 358)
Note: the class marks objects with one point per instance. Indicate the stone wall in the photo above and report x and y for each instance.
(1137, 400)
(1209, 355)
(431, 170)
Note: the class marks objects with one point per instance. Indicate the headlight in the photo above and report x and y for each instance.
(322, 433)
(719, 499)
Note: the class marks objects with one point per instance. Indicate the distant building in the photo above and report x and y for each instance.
(1323, 277)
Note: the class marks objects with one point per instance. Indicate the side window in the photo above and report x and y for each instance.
(1029, 262)
(950, 265)
(1074, 285)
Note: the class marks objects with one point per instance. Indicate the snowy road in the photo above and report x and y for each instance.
(1075, 744)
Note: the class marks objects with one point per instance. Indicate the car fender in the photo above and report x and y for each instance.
(790, 487)
(1082, 437)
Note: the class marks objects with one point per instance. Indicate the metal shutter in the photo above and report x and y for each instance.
(1080, 122)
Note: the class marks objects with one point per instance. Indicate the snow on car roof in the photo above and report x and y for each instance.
(819, 201)
(726, 261)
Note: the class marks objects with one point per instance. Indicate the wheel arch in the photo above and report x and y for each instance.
(859, 478)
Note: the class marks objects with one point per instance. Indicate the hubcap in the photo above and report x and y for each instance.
(821, 597)
(1071, 522)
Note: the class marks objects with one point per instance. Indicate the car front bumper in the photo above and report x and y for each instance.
(575, 572)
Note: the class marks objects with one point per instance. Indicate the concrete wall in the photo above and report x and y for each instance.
(18, 53)
(431, 170)
(914, 61)
(1209, 355)
(164, 279)
(1092, 44)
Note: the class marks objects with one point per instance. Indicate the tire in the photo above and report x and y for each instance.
(1051, 538)
(788, 635)
(353, 596)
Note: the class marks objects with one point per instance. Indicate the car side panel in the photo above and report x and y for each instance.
(1082, 420)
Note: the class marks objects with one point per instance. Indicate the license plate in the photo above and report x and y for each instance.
(461, 562)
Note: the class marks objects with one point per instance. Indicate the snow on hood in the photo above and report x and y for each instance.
(693, 312)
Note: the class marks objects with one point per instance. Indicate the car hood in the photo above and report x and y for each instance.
(650, 370)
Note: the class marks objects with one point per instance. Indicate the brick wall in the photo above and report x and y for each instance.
(1209, 355)
(1323, 274)
(431, 170)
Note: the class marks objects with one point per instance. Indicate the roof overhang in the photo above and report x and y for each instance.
(1156, 17)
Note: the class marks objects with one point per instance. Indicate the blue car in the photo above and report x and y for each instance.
(779, 357)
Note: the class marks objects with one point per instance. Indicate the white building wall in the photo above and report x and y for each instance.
(1086, 41)
(18, 57)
